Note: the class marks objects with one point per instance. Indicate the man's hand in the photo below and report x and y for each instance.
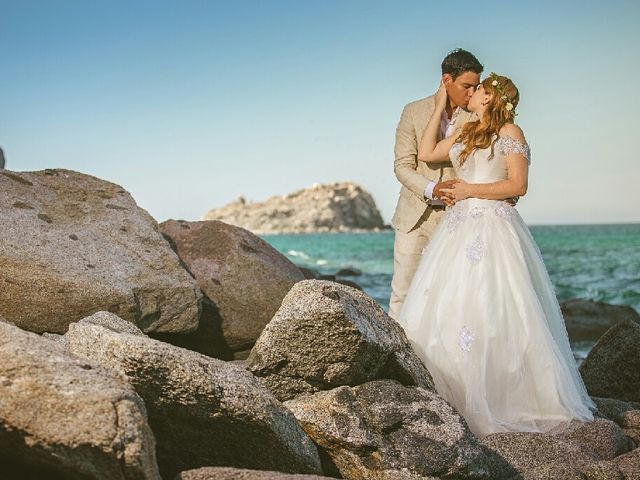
(441, 195)
(448, 201)
(460, 191)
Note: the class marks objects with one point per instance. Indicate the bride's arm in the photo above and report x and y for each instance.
(430, 150)
(515, 185)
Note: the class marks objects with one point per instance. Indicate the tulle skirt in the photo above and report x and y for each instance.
(482, 314)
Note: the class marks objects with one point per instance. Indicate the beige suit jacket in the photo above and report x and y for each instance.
(413, 174)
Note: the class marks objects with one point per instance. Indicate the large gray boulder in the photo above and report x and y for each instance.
(625, 414)
(243, 278)
(382, 429)
(588, 320)
(325, 335)
(628, 464)
(63, 417)
(612, 367)
(621, 412)
(535, 456)
(72, 244)
(580, 450)
(602, 436)
(203, 411)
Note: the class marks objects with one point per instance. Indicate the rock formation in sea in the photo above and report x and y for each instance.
(334, 207)
(612, 367)
(587, 320)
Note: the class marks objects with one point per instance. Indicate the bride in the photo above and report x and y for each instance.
(481, 311)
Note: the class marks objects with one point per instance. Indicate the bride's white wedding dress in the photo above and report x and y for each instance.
(482, 314)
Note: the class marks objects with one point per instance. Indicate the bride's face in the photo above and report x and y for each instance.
(478, 100)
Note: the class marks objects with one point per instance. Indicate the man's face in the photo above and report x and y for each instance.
(461, 89)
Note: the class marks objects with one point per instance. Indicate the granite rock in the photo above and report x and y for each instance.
(612, 367)
(63, 417)
(203, 411)
(243, 278)
(589, 320)
(325, 335)
(382, 429)
(72, 244)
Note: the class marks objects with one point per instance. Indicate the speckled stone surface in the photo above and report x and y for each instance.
(612, 367)
(534, 454)
(325, 335)
(625, 414)
(617, 410)
(203, 411)
(63, 417)
(112, 322)
(603, 437)
(227, 473)
(382, 429)
(243, 276)
(72, 244)
(628, 464)
(584, 450)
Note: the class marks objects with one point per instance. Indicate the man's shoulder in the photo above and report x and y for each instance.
(421, 103)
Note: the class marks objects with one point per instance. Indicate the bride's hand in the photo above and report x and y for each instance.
(458, 191)
(448, 201)
(438, 191)
(441, 96)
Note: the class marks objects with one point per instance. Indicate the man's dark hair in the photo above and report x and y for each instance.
(459, 61)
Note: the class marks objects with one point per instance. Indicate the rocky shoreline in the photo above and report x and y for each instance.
(195, 351)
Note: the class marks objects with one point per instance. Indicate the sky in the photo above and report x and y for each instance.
(190, 104)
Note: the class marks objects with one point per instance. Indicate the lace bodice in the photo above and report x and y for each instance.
(478, 168)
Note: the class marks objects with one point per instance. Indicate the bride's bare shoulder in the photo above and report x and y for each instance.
(512, 130)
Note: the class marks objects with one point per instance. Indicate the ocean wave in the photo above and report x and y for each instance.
(296, 253)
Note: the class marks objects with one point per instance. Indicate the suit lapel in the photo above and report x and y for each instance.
(421, 118)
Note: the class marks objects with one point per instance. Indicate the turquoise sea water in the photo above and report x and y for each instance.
(596, 262)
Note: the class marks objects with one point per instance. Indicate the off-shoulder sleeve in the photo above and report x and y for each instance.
(507, 145)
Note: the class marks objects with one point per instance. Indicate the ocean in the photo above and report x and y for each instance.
(595, 262)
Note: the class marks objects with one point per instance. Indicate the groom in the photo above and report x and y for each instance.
(419, 208)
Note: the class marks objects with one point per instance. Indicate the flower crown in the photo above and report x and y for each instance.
(503, 96)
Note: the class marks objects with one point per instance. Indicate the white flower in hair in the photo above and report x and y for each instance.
(509, 106)
(494, 83)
